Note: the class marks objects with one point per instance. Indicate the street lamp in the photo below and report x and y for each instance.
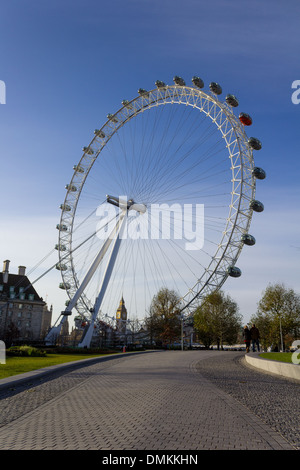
(281, 333)
(181, 332)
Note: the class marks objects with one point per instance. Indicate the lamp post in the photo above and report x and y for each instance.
(280, 327)
(181, 333)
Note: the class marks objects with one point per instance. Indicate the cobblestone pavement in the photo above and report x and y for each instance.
(275, 400)
(162, 400)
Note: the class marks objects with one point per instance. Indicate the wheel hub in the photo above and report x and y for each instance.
(125, 204)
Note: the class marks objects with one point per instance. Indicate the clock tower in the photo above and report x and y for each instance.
(121, 316)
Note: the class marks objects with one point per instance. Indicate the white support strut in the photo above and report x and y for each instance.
(109, 268)
(114, 235)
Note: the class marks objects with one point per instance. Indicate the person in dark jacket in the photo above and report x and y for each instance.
(247, 337)
(254, 337)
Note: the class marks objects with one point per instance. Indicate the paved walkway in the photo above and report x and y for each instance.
(161, 400)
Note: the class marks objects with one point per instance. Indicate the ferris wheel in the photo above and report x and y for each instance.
(162, 197)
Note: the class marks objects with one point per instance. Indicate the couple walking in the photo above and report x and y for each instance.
(251, 335)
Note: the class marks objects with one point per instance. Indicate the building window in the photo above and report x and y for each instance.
(19, 314)
(31, 296)
(1, 287)
(11, 289)
(22, 296)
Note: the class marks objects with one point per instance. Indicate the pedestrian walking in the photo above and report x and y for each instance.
(254, 337)
(247, 337)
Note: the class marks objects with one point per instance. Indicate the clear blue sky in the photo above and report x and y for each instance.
(66, 64)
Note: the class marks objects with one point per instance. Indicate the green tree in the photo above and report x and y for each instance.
(278, 313)
(163, 322)
(217, 320)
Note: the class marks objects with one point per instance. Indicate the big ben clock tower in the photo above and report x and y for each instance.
(121, 317)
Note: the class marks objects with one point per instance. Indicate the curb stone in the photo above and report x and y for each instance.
(38, 373)
(291, 371)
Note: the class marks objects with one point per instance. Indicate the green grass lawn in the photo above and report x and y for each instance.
(278, 356)
(19, 365)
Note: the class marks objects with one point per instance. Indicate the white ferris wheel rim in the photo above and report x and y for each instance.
(243, 184)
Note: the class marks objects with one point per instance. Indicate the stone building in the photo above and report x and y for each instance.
(24, 316)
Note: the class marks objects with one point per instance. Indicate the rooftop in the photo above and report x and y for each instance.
(16, 286)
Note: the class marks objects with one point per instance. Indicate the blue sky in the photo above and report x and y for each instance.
(66, 64)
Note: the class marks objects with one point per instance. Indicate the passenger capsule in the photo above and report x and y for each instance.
(231, 100)
(178, 81)
(61, 267)
(99, 133)
(198, 82)
(65, 207)
(62, 228)
(254, 143)
(88, 150)
(126, 104)
(112, 118)
(60, 247)
(215, 88)
(71, 187)
(259, 173)
(143, 92)
(248, 239)
(160, 84)
(64, 286)
(233, 271)
(78, 168)
(257, 206)
(245, 119)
